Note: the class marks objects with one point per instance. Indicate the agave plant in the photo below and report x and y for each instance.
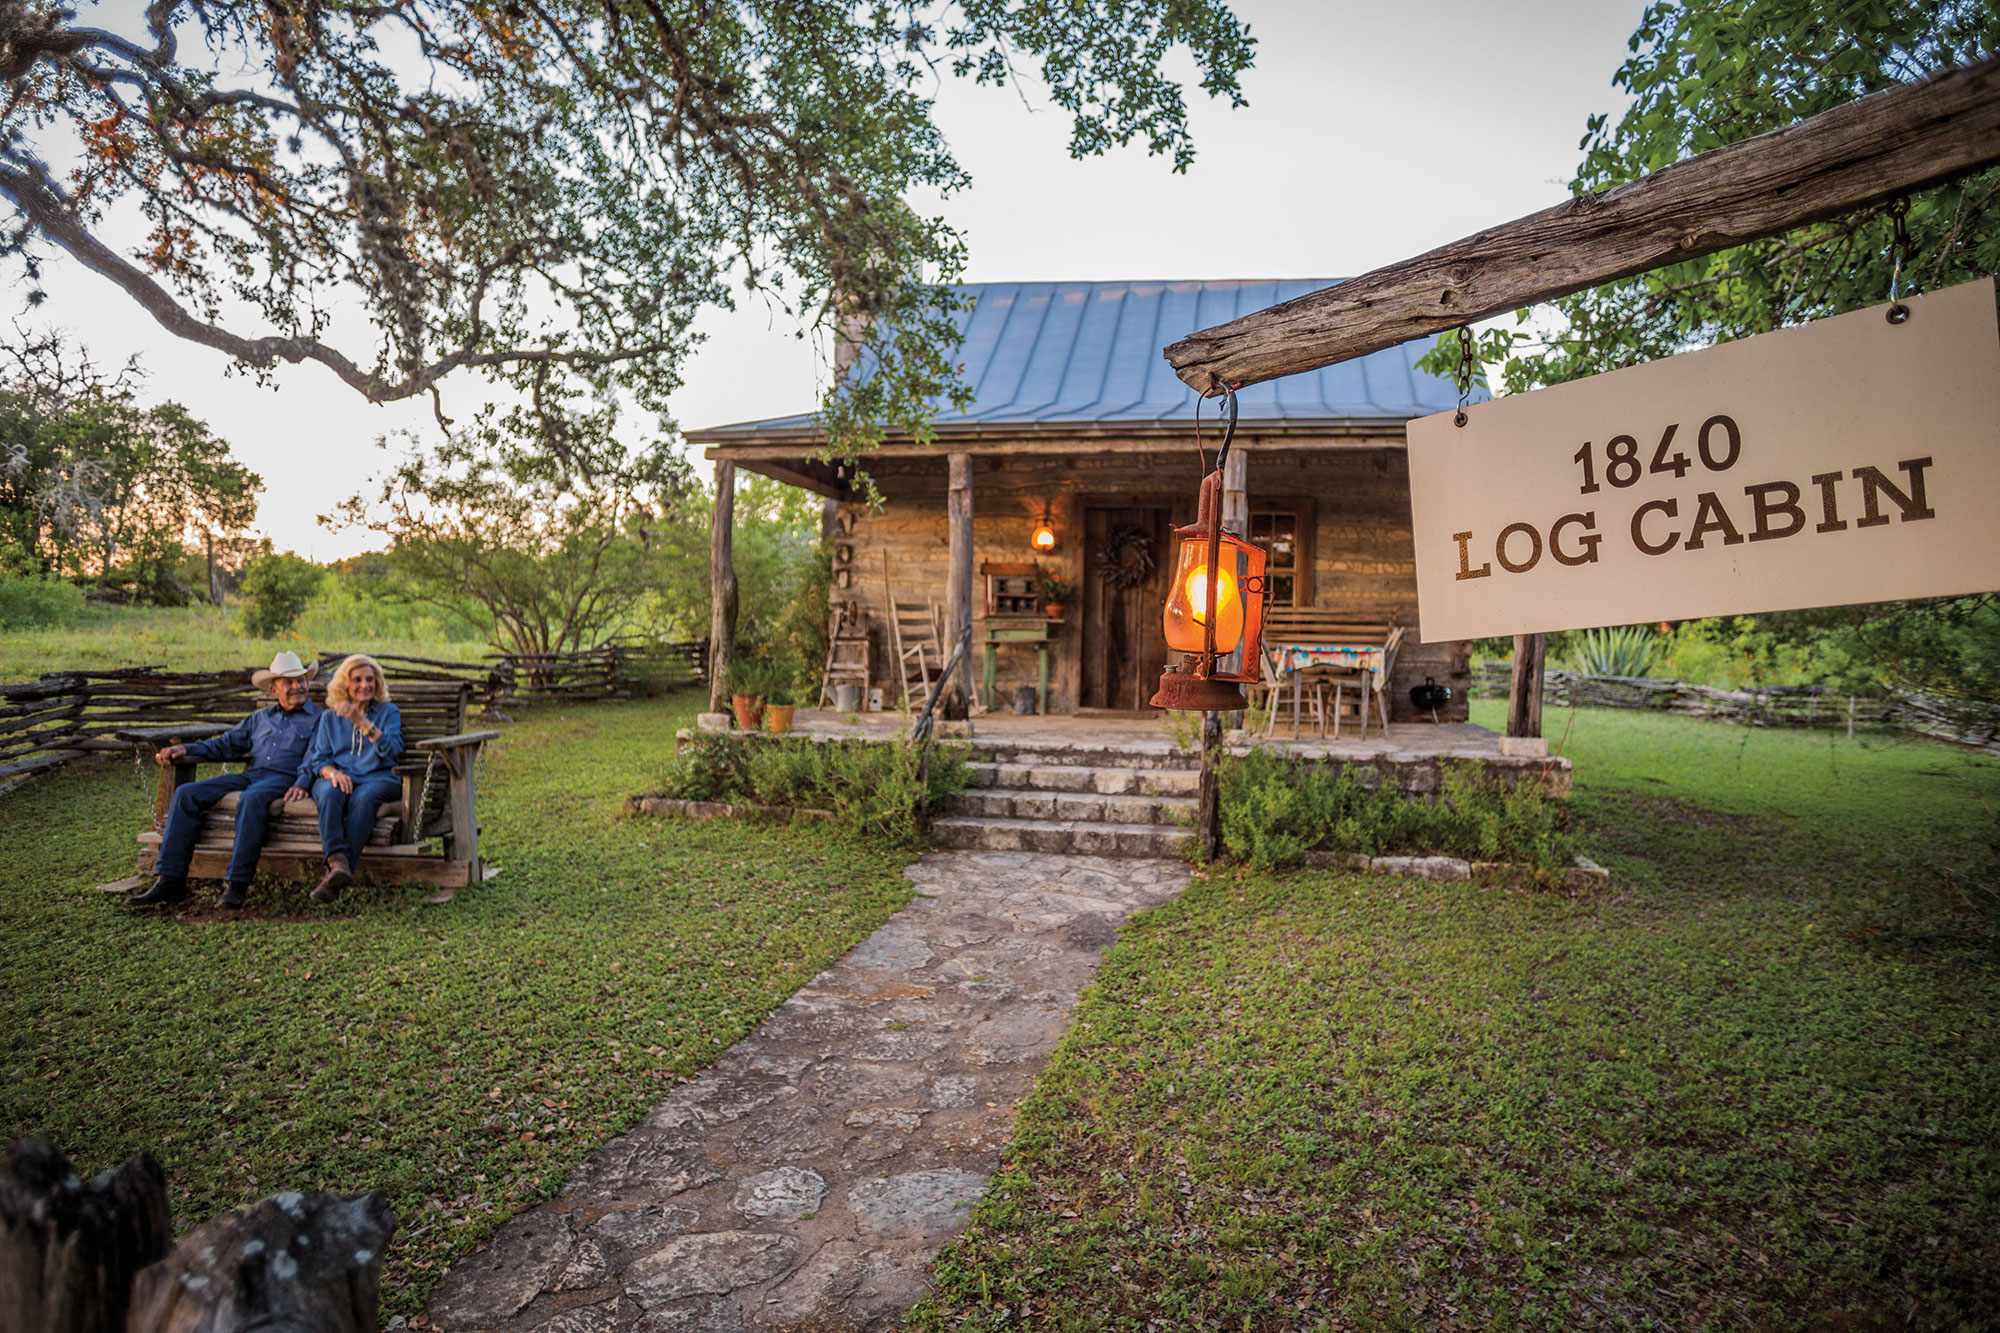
(1622, 650)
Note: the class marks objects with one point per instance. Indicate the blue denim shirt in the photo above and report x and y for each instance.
(270, 738)
(334, 742)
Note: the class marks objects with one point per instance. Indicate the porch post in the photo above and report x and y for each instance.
(1524, 700)
(958, 583)
(722, 586)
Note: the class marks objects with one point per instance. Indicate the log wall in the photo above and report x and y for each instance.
(1363, 553)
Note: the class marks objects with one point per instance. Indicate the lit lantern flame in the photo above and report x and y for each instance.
(1044, 539)
(1187, 614)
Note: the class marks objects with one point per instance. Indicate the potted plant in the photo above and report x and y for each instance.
(778, 710)
(746, 692)
(1056, 594)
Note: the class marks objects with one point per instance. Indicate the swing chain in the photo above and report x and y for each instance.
(1899, 214)
(1463, 375)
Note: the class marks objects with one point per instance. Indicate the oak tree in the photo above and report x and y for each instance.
(550, 190)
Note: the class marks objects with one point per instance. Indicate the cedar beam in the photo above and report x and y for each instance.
(792, 476)
(958, 584)
(722, 587)
(1524, 697)
(1864, 153)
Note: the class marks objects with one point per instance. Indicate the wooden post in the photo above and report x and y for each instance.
(292, 1261)
(958, 583)
(1524, 699)
(70, 1248)
(465, 811)
(1209, 803)
(722, 587)
(1857, 155)
(214, 588)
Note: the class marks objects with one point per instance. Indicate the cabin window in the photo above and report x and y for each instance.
(1285, 534)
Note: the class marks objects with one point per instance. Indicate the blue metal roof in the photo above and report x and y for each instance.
(1067, 353)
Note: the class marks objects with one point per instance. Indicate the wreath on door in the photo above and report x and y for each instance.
(1125, 560)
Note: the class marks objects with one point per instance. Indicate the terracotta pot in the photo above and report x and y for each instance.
(778, 717)
(1055, 610)
(749, 710)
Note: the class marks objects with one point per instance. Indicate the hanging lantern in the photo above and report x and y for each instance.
(1215, 604)
(1043, 539)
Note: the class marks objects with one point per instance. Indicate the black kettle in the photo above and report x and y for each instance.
(1430, 696)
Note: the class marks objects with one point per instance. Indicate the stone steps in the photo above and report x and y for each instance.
(1157, 755)
(1097, 838)
(1092, 800)
(1102, 780)
(1073, 807)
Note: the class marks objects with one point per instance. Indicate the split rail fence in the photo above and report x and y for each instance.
(66, 715)
(1961, 723)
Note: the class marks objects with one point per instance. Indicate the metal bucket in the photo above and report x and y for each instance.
(847, 698)
(1024, 699)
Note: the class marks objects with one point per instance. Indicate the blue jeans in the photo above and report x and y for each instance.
(260, 787)
(346, 818)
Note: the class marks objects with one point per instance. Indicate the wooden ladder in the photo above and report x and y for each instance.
(846, 651)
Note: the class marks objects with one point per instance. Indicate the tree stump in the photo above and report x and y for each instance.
(69, 1251)
(100, 1258)
(294, 1263)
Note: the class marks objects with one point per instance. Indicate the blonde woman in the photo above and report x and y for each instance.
(353, 758)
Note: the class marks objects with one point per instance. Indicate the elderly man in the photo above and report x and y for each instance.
(274, 740)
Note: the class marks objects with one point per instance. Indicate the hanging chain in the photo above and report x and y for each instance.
(1899, 213)
(424, 800)
(1463, 376)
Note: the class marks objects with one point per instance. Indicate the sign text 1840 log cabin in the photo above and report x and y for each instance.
(1850, 460)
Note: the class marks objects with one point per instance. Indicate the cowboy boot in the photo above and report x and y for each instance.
(338, 876)
(167, 889)
(233, 894)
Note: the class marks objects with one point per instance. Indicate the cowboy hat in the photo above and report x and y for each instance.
(285, 664)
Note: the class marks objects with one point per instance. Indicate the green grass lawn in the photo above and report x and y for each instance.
(1754, 1085)
(461, 1058)
(196, 638)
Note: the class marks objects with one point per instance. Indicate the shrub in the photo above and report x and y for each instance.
(1624, 650)
(276, 589)
(874, 791)
(37, 601)
(1276, 809)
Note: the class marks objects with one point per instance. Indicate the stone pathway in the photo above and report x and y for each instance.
(806, 1179)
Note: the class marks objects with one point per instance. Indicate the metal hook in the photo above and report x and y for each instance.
(1229, 396)
(1899, 213)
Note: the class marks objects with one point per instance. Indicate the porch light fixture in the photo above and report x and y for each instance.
(1043, 539)
(1215, 568)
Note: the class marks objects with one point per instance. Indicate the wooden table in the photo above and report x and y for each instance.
(1037, 630)
(1294, 659)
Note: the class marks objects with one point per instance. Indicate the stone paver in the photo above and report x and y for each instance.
(807, 1178)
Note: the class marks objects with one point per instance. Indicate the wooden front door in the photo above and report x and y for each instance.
(1126, 556)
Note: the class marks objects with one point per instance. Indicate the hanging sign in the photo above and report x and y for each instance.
(1848, 460)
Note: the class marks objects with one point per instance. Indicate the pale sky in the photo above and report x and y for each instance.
(1374, 132)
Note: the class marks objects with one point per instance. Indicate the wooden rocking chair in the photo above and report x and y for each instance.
(919, 650)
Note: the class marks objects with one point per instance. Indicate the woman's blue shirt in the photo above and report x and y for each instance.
(335, 742)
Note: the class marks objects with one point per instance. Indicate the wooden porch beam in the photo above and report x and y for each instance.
(793, 477)
(722, 587)
(958, 584)
(1524, 695)
(1864, 153)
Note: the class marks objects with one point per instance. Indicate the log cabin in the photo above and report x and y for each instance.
(1077, 424)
